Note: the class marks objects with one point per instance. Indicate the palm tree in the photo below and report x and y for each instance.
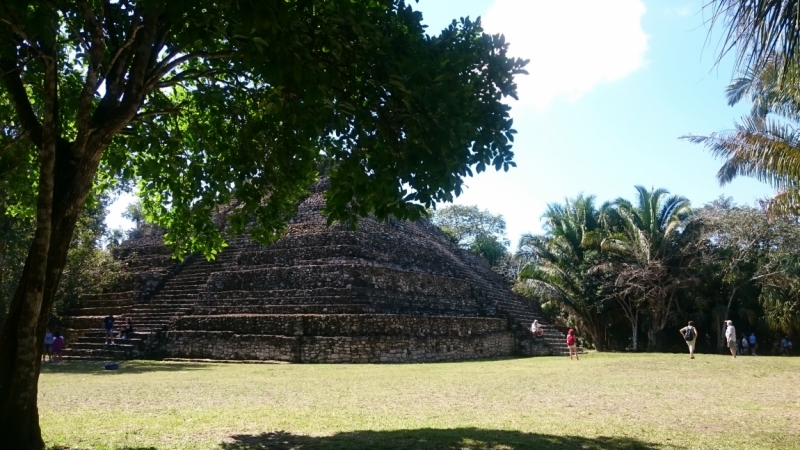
(646, 239)
(765, 34)
(558, 263)
(766, 144)
(760, 31)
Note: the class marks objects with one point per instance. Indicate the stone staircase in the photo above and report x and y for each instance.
(150, 315)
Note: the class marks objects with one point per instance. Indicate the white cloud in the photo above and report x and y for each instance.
(573, 46)
(682, 11)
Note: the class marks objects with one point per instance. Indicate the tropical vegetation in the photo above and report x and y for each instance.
(478, 231)
(627, 270)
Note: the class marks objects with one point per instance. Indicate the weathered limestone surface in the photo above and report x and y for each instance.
(342, 325)
(389, 292)
(226, 345)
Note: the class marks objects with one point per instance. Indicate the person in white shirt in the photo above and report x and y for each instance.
(730, 336)
(689, 333)
(745, 346)
(536, 329)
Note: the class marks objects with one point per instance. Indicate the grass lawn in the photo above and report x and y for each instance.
(616, 401)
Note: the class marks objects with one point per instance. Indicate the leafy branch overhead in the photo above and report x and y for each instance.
(208, 103)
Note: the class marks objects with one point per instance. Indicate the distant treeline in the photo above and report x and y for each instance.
(628, 274)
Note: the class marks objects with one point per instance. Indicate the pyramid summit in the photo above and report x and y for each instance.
(391, 291)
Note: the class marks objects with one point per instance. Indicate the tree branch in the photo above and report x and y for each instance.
(165, 69)
(90, 85)
(189, 75)
(157, 112)
(32, 129)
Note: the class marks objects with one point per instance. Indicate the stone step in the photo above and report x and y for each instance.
(187, 286)
(101, 311)
(354, 308)
(98, 338)
(175, 295)
(110, 295)
(109, 352)
(119, 344)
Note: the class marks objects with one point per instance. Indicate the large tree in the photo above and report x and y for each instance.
(651, 262)
(202, 103)
(478, 231)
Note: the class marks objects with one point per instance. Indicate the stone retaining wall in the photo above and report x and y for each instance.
(227, 345)
(342, 325)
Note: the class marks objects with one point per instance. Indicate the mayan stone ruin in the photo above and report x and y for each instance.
(389, 292)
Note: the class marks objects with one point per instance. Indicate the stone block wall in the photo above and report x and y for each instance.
(224, 345)
(342, 325)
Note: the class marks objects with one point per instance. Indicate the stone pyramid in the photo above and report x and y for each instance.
(390, 292)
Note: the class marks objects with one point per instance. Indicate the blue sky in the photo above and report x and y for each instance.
(617, 124)
(613, 85)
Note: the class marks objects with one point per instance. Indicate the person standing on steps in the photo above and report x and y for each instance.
(689, 333)
(108, 325)
(48, 345)
(536, 329)
(753, 344)
(730, 336)
(571, 344)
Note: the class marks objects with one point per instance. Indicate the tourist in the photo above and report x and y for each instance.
(689, 333)
(776, 348)
(58, 345)
(571, 344)
(48, 345)
(753, 344)
(108, 325)
(745, 346)
(785, 346)
(730, 336)
(537, 329)
(128, 330)
(788, 347)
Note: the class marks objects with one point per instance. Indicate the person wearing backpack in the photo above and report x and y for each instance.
(571, 344)
(689, 333)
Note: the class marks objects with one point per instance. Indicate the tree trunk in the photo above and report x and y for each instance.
(60, 202)
(635, 335)
(20, 342)
(654, 339)
(22, 338)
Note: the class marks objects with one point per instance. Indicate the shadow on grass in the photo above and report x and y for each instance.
(129, 367)
(431, 439)
(61, 447)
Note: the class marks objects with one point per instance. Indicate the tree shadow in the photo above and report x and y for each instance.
(62, 447)
(125, 367)
(431, 439)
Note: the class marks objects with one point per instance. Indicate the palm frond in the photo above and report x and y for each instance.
(759, 30)
(759, 148)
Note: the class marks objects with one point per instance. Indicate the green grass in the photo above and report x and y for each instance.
(615, 401)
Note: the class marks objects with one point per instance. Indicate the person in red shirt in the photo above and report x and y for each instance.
(573, 348)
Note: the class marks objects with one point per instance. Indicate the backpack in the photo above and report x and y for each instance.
(688, 334)
(570, 340)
